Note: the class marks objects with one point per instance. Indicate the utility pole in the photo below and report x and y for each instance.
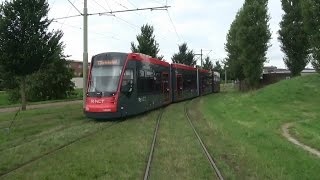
(201, 55)
(225, 75)
(85, 51)
(201, 58)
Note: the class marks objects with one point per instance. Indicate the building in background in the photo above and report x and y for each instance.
(77, 67)
(271, 74)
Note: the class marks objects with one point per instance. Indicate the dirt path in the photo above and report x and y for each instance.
(285, 133)
(41, 106)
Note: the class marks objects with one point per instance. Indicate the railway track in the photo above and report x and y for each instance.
(147, 171)
(205, 150)
(54, 150)
(37, 137)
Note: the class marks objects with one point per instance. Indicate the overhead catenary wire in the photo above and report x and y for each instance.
(75, 7)
(120, 4)
(79, 28)
(108, 5)
(174, 27)
(100, 5)
(131, 24)
(118, 11)
(68, 13)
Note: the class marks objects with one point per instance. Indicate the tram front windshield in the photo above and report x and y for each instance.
(105, 75)
(105, 79)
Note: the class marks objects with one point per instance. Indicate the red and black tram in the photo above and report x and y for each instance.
(205, 82)
(125, 84)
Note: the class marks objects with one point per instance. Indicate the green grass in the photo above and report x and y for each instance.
(5, 103)
(4, 99)
(117, 150)
(243, 130)
(308, 132)
(178, 154)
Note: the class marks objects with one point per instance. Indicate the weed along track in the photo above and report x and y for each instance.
(56, 149)
(147, 171)
(210, 159)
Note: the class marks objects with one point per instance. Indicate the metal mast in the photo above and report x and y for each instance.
(85, 51)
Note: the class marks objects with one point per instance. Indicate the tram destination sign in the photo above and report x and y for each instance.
(107, 62)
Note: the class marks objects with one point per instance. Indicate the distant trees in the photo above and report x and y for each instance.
(293, 37)
(184, 56)
(207, 64)
(146, 43)
(27, 47)
(311, 18)
(217, 67)
(248, 42)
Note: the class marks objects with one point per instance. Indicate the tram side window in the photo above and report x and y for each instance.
(146, 82)
(190, 81)
(128, 77)
(158, 83)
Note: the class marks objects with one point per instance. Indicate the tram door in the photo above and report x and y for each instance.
(165, 86)
(179, 86)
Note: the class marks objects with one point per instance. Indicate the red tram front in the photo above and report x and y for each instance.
(122, 84)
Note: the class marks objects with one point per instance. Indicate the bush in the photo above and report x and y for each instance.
(51, 83)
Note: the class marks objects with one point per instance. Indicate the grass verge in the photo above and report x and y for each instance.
(5, 103)
(110, 152)
(307, 132)
(243, 131)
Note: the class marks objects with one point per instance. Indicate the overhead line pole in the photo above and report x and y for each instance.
(201, 58)
(201, 54)
(85, 52)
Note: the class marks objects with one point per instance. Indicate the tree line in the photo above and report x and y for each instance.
(249, 35)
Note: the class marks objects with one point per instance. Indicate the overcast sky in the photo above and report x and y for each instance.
(203, 24)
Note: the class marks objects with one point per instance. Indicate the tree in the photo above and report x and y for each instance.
(254, 35)
(217, 67)
(26, 45)
(207, 64)
(146, 42)
(293, 37)
(311, 18)
(233, 62)
(184, 56)
(248, 42)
